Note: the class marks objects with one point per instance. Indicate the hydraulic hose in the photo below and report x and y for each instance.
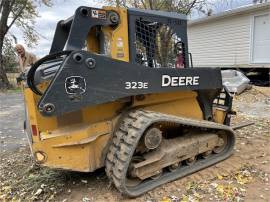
(34, 67)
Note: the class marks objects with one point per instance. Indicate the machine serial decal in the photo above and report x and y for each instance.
(75, 85)
(136, 85)
(175, 81)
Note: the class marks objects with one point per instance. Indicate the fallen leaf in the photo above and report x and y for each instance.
(38, 192)
(220, 177)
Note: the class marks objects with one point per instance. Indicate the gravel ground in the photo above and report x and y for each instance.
(11, 122)
(242, 177)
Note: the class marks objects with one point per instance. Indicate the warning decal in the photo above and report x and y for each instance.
(100, 14)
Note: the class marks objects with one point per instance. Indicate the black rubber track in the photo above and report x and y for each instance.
(127, 136)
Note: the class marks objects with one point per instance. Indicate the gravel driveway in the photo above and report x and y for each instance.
(11, 122)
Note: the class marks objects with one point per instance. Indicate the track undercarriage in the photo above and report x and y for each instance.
(150, 149)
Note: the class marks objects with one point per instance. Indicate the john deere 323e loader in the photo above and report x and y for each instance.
(117, 91)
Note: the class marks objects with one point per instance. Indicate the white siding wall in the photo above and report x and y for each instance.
(222, 42)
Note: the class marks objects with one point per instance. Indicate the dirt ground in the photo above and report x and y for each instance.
(242, 177)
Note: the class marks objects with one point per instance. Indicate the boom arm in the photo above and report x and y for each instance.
(86, 79)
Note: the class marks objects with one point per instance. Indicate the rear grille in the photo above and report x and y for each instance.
(224, 99)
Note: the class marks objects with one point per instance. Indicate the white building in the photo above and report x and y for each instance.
(237, 38)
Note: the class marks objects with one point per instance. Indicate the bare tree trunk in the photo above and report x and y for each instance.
(4, 83)
(5, 8)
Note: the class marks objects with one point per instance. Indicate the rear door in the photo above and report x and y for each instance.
(261, 39)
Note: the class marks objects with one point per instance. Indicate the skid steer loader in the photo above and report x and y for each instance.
(117, 91)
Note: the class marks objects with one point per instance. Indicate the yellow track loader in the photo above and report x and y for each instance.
(117, 91)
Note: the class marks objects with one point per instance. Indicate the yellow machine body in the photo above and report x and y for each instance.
(79, 140)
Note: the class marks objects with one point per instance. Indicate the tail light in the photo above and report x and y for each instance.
(34, 130)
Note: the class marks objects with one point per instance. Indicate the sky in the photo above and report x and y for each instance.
(62, 9)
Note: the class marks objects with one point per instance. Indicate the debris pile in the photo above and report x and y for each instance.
(235, 81)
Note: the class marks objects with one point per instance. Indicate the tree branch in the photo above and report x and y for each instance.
(191, 6)
(1, 6)
(161, 5)
(143, 3)
(12, 3)
(150, 4)
(17, 15)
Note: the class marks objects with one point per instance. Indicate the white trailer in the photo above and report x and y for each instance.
(238, 38)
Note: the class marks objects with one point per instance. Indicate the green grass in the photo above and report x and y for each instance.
(11, 90)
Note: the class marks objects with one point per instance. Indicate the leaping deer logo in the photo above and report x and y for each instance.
(75, 85)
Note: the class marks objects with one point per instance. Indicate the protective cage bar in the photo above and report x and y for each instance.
(71, 34)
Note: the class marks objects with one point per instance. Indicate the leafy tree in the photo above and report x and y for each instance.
(9, 57)
(21, 13)
(180, 6)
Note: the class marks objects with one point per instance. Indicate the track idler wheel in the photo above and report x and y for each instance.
(221, 145)
(152, 138)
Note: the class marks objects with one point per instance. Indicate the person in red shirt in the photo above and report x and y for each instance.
(180, 59)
